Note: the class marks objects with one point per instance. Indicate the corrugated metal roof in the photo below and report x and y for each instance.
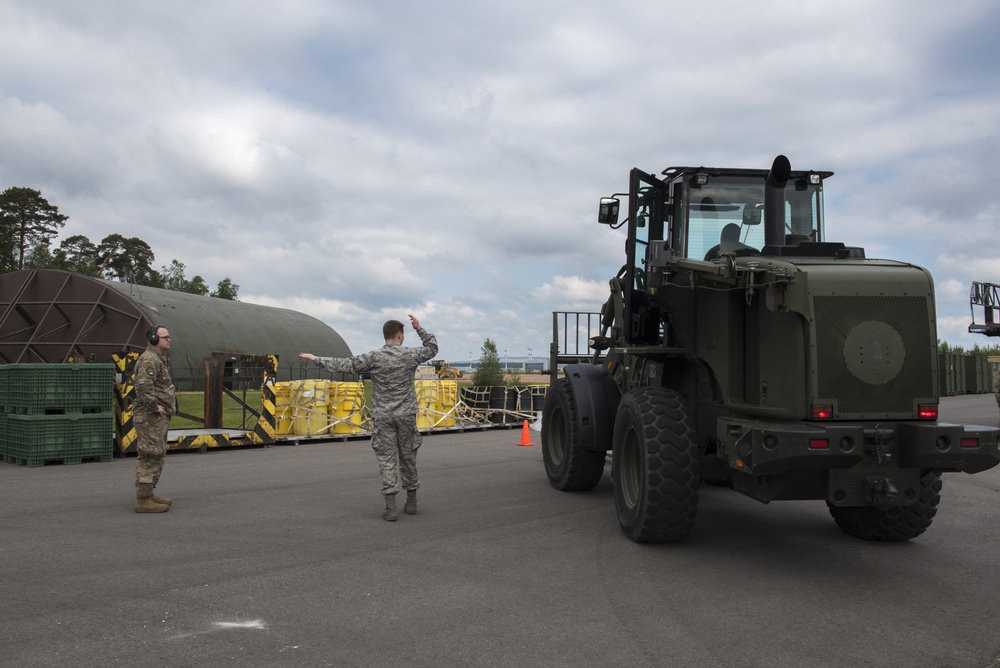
(201, 326)
(48, 315)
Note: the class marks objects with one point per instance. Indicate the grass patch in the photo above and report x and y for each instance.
(234, 416)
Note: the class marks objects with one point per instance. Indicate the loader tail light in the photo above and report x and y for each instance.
(969, 442)
(927, 411)
(818, 444)
(821, 411)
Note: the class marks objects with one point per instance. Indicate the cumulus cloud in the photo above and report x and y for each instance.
(446, 158)
(572, 293)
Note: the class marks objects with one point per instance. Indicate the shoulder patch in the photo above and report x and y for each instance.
(149, 371)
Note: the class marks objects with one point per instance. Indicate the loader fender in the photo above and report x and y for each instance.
(597, 400)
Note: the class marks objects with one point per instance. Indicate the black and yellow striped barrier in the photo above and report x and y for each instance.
(263, 432)
(125, 435)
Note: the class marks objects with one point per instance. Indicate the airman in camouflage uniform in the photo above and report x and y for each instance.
(155, 403)
(395, 438)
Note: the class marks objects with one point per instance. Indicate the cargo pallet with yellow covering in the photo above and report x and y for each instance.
(319, 408)
(324, 410)
(331, 409)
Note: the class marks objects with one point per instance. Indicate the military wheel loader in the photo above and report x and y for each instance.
(740, 348)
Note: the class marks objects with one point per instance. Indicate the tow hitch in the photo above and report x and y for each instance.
(880, 492)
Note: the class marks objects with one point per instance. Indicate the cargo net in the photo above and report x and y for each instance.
(501, 405)
(443, 405)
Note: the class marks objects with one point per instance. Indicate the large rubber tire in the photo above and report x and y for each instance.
(568, 466)
(656, 466)
(895, 524)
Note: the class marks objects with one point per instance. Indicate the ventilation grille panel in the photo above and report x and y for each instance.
(874, 354)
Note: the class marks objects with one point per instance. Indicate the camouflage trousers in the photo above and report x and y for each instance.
(395, 441)
(151, 447)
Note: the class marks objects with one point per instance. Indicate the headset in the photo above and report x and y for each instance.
(153, 335)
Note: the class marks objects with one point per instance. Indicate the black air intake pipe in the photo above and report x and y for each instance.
(774, 201)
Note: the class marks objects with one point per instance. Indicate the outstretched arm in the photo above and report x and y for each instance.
(429, 349)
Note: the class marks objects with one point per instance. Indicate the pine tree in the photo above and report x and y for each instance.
(27, 220)
(488, 373)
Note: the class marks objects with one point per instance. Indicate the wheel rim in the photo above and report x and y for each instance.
(629, 468)
(557, 437)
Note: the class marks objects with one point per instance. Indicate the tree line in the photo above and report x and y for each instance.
(29, 224)
(988, 350)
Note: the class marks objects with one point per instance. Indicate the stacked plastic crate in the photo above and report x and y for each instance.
(3, 412)
(56, 413)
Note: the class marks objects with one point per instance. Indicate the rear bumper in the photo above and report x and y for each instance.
(763, 448)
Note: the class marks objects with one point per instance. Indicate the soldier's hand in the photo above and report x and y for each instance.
(414, 322)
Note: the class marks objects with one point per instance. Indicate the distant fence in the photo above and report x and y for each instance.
(964, 373)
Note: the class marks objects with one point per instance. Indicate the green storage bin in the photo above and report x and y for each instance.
(35, 440)
(59, 389)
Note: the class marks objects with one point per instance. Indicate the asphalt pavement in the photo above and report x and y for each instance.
(278, 556)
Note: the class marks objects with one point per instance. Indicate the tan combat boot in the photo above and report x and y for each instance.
(390, 508)
(157, 499)
(144, 502)
(411, 502)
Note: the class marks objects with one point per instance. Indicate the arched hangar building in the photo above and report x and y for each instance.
(48, 315)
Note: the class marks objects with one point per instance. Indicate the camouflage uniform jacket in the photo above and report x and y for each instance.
(153, 386)
(391, 368)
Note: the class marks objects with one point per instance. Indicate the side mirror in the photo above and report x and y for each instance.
(607, 214)
(751, 215)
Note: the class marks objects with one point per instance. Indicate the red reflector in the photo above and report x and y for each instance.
(927, 411)
(818, 444)
(821, 411)
(969, 442)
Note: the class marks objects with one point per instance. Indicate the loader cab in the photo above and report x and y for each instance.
(716, 213)
(710, 214)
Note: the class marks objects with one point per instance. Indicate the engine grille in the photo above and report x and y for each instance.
(874, 354)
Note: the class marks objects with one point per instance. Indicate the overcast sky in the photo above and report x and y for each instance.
(358, 160)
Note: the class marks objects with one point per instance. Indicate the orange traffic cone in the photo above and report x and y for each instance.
(525, 435)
